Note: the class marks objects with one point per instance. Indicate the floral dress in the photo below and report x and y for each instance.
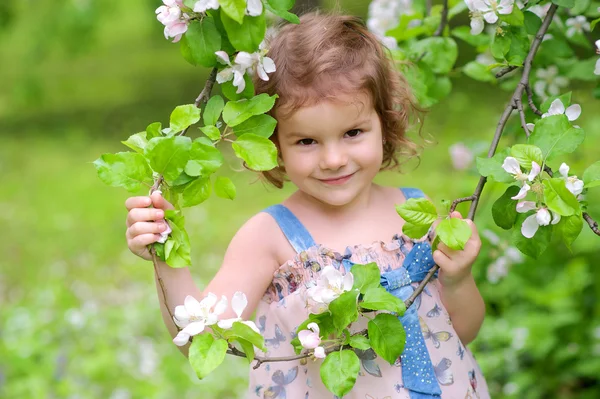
(434, 364)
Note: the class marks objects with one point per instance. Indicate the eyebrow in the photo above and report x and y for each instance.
(358, 123)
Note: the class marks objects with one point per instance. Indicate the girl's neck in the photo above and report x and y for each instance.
(358, 205)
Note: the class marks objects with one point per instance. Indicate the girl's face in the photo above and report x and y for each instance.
(332, 150)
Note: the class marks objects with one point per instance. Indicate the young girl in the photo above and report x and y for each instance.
(342, 114)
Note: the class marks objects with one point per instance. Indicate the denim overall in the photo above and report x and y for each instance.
(417, 370)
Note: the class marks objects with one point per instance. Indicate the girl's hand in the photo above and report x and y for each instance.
(455, 266)
(145, 224)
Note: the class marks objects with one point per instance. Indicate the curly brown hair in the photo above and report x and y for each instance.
(331, 54)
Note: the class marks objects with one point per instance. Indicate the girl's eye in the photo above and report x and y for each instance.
(305, 141)
(354, 132)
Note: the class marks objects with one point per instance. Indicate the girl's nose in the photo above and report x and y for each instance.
(333, 157)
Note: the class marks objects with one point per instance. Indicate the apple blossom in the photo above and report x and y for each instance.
(238, 304)
(203, 5)
(461, 156)
(384, 15)
(579, 24)
(194, 316)
(558, 108)
(542, 217)
(330, 285)
(549, 83)
(174, 20)
(244, 62)
(574, 185)
(254, 8)
(310, 339)
(487, 10)
(164, 234)
(511, 165)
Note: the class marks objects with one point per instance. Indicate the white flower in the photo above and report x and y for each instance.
(540, 11)
(165, 234)
(487, 10)
(498, 269)
(558, 108)
(203, 5)
(461, 156)
(244, 62)
(194, 316)
(238, 304)
(310, 339)
(511, 165)
(491, 236)
(549, 83)
(235, 72)
(542, 217)
(384, 15)
(597, 70)
(331, 284)
(574, 185)
(579, 24)
(254, 8)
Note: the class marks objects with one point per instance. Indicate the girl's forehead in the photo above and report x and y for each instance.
(343, 105)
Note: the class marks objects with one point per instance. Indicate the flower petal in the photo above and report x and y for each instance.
(223, 57)
(543, 217)
(556, 108)
(526, 206)
(221, 306)
(320, 352)
(477, 26)
(208, 302)
(228, 323)
(522, 193)
(181, 339)
(573, 112)
(535, 170)
(597, 69)
(490, 17)
(314, 327)
(348, 281)
(254, 8)
(511, 165)
(555, 218)
(564, 170)
(239, 303)
(194, 328)
(192, 306)
(529, 227)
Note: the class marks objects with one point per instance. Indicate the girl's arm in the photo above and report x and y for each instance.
(466, 308)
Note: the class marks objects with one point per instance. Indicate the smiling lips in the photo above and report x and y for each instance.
(338, 180)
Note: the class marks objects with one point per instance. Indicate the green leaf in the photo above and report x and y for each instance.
(236, 112)
(501, 45)
(137, 142)
(377, 298)
(168, 155)
(323, 320)
(366, 276)
(564, 3)
(225, 188)
(213, 110)
(258, 152)
(440, 53)
(569, 228)
(343, 309)
(580, 69)
(203, 160)
(154, 130)
(440, 89)
(454, 232)
(248, 349)
(519, 45)
(591, 176)
(504, 210)
(288, 16)
(558, 198)
(281, 4)
(241, 330)
(555, 136)
(419, 211)
(479, 72)
(206, 354)
(532, 22)
(230, 91)
(527, 153)
(262, 125)
(196, 192)
(202, 39)
(415, 230)
(211, 131)
(492, 167)
(387, 336)
(594, 23)
(235, 9)
(531, 246)
(464, 33)
(246, 35)
(179, 252)
(515, 18)
(339, 371)
(124, 169)
(359, 342)
(184, 116)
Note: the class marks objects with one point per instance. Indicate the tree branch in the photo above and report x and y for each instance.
(440, 29)
(505, 71)
(519, 105)
(530, 100)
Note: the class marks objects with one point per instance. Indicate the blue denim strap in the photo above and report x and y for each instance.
(292, 228)
(411, 192)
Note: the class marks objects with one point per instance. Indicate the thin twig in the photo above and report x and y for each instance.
(530, 100)
(440, 29)
(592, 223)
(519, 105)
(505, 71)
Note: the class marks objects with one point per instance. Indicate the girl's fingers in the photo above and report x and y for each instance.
(456, 214)
(446, 250)
(140, 228)
(159, 202)
(137, 202)
(138, 244)
(144, 214)
(440, 258)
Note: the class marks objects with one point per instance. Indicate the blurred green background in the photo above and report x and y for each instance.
(79, 314)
